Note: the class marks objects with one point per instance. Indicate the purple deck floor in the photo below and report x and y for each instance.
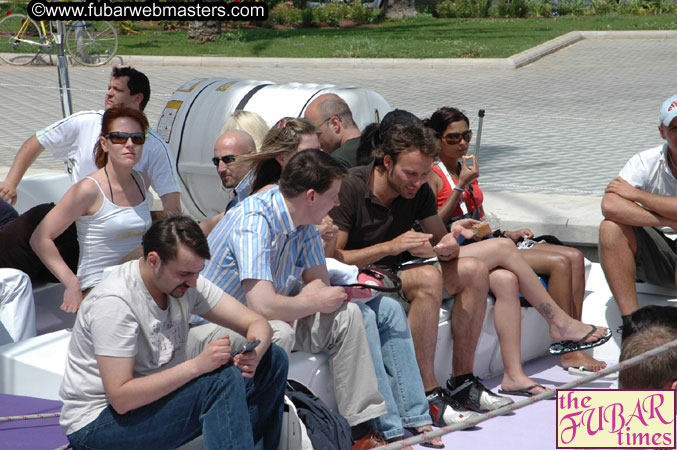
(532, 427)
(34, 434)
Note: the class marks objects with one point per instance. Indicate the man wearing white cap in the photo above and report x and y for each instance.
(637, 235)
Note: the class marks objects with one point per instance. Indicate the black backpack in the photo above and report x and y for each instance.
(327, 430)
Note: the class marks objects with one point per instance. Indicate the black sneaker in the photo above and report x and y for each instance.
(444, 410)
(473, 395)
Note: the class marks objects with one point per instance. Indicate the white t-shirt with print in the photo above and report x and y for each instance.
(119, 318)
(74, 137)
(650, 172)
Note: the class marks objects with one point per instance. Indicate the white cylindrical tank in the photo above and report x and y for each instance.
(192, 118)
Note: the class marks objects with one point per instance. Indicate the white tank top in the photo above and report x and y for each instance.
(109, 235)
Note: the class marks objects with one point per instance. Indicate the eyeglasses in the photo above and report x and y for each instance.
(455, 138)
(338, 116)
(228, 159)
(120, 137)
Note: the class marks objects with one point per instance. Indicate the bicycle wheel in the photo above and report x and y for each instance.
(19, 39)
(91, 43)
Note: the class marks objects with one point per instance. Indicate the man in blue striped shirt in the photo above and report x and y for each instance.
(267, 253)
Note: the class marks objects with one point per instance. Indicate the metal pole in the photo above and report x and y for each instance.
(480, 114)
(62, 66)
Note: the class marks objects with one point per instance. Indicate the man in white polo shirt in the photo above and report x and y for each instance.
(73, 138)
(636, 237)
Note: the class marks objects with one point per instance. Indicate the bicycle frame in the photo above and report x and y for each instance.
(24, 27)
(87, 43)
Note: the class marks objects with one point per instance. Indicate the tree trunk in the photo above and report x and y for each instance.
(399, 9)
(204, 31)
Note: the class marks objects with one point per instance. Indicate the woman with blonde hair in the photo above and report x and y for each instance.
(250, 122)
(110, 207)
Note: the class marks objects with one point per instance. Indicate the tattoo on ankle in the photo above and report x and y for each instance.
(546, 310)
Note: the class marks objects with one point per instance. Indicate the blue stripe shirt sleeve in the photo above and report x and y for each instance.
(251, 245)
(312, 253)
(240, 248)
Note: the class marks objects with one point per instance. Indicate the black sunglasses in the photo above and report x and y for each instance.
(455, 138)
(228, 159)
(120, 137)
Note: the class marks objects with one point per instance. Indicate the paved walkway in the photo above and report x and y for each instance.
(563, 125)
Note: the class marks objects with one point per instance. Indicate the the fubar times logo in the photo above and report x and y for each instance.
(612, 418)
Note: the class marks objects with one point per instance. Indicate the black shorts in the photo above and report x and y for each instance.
(655, 257)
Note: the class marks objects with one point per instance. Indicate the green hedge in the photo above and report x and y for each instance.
(332, 13)
(543, 8)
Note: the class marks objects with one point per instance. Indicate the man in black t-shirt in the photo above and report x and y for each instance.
(379, 205)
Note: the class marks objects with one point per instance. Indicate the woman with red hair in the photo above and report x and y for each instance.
(110, 208)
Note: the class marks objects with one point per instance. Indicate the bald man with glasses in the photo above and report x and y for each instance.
(338, 133)
(227, 148)
(236, 176)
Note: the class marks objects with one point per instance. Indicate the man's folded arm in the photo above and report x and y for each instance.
(627, 212)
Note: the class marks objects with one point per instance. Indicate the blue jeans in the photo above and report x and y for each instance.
(399, 380)
(230, 411)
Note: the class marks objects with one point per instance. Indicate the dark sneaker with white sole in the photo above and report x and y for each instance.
(444, 410)
(473, 395)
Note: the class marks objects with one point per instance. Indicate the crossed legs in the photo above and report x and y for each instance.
(565, 267)
(503, 253)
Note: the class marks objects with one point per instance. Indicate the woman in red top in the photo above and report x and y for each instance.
(458, 195)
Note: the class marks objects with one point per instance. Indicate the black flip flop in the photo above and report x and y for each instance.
(561, 347)
(428, 444)
(524, 392)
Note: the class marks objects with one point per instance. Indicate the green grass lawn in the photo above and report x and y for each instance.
(424, 37)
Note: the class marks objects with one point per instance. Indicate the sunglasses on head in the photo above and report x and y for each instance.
(228, 159)
(455, 138)
(120, 137)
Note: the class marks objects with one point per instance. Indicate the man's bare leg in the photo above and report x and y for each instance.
(617, 248)
(422, 285)
(472, 277)
(468, 280)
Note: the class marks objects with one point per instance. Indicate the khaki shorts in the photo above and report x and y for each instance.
(655, 257)
(400, 297)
